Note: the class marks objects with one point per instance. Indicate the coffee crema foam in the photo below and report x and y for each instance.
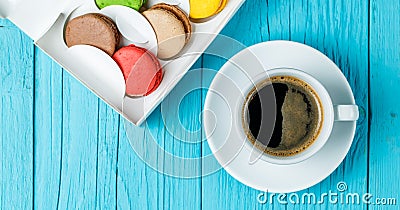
(298, 120)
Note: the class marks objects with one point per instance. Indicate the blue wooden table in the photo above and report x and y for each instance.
(61, 147)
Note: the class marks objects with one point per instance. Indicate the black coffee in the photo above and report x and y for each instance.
(283, 116)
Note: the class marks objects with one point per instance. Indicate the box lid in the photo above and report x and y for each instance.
(32, 17)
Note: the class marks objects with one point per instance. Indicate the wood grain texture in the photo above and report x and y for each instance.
(49, 141)
(385, 79)
(48, 131)
(139, 184)
(79, 146)
(16, 121)
(107, 154)
(182, 137)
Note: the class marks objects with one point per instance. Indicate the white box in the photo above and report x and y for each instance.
(44, 22)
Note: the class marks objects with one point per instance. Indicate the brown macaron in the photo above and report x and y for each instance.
(93, 29)
(172, 28)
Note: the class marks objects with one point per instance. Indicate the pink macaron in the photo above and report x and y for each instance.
(141, 69)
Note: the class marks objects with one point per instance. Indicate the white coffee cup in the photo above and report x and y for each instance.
(331, 113)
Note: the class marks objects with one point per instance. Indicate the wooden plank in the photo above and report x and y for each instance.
(141, 183)
(340, 30)
(182, 117)
(79, 146)
(385, 112)
(6, 23)
(49, 140)
(17, 92)
(138, 186)
(48, 131)
(107, 151)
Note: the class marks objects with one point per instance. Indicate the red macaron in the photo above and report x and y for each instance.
(141, 69)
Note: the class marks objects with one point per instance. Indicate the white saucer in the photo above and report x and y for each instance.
(222, 117)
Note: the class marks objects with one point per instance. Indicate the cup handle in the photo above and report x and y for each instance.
(346, 112)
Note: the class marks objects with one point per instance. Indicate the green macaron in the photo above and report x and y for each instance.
(134, 4)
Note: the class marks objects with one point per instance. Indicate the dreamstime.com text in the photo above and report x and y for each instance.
(339, 196)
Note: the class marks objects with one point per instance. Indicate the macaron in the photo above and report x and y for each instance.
(134, 4)
(172, 27)
(141, 69)
(93, 29)
(200, 9)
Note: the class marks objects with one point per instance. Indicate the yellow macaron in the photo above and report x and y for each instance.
(200, 9)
